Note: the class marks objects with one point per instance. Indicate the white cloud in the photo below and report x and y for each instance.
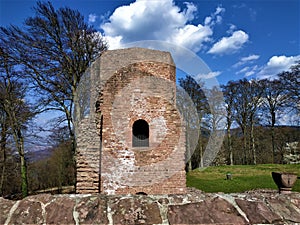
(229, 45)
(249, 73)
(92, 18)
(114, 42)
(190, 11)
(244, 70)
(282, 61)
(247, 59)
(208, 75)
(191, 36)
(276, 65)
(207, 20)
(248, 70)
(159, 20)
(215, 18)
(219, 19)
(219, 10)
(250, 58)
(232, 28)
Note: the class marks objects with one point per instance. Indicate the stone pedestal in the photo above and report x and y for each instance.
(284, 181)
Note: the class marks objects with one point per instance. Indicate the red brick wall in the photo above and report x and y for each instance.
(144, 89)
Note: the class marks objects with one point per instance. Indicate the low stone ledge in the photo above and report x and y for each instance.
(196, 207)
(210, 211)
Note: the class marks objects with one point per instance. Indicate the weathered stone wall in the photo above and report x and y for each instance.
(129, 85)
(259, 207)
(87, 136)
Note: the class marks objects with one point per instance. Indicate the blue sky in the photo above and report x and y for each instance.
(236, 39)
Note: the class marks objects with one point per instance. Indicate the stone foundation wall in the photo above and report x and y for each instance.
(261, 207)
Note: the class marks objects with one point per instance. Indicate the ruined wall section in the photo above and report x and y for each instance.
(87, 137)
(133, 93)
(132, 84)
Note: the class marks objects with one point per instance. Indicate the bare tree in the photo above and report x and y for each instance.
(190, 116)
(246, 103)
(216, 122)
(229, 92)
(240, 105)
(274, 101)
(256, 92)
(291, 82)
(17, 111)
(195, 91)
(54, 48)
(3, 144)
(216, 108)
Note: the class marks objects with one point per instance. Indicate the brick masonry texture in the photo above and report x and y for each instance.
(125, 86)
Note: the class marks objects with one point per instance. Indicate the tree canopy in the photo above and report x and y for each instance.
(50, 53)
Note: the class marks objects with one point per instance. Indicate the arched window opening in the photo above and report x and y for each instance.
(141, 193)
(140, 134)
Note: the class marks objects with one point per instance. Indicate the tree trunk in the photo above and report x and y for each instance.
(3, 150)
(273, 136)
(201, 164)
(19, 140)
(245, 146)
(72, 123)
(3, 172)
(24, 176)
(230, 149)
(229, 142)
(253, 144)
(188, 149)
(19, 143)
(201, 159)
(189, 161)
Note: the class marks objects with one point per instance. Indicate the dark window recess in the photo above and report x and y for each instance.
(140, 134)
(141, 193)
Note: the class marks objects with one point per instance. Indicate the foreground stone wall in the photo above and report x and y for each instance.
(260, 207)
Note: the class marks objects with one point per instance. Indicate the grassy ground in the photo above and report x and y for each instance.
(244, 178)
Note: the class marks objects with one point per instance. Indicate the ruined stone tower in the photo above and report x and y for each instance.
(130, 136)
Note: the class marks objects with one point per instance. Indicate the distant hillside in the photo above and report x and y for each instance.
(293, 130)
(40, 154)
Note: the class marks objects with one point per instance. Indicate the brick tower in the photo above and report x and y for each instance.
(130, 136)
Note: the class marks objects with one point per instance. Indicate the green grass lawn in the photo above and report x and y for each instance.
(244, 178)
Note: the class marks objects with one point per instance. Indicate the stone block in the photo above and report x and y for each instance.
(135, 211)
(60, 211)
(258, 212)
(210, 211)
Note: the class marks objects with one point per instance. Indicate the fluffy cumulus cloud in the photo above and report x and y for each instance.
(159, 20)
(276, 65)
(231, 44)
